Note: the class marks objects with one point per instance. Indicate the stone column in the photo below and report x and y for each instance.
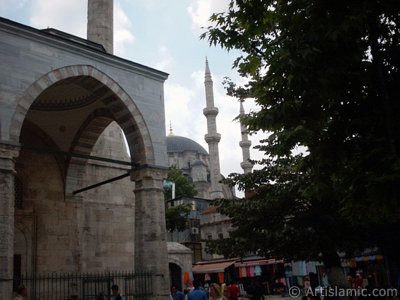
(7, 172)
(150, 228)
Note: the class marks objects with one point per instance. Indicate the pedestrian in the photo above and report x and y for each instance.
(176, 294)
(115, 293)
(256, 290)
(215, 292)
(21, 295)
(101, 296)
(225, 291)
(233, 291)
(197, 293)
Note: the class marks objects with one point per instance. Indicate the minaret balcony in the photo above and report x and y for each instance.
(246, 165)
(212, 138)
(245, 144)
(210, 111)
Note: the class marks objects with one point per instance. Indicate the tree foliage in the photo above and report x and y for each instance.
(176, 216)
(325, 76)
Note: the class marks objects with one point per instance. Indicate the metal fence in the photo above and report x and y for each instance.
(87, 286)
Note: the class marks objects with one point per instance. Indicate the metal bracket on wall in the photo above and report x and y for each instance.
(77, 155)
(101, 183)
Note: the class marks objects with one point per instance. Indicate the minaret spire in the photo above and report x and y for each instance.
(245, 144)
(212, 137)
(100, 23)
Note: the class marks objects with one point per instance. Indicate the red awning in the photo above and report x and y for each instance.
(212, 267)
(260, 262)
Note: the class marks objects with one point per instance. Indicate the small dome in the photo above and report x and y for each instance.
(174, 247)
(177, 144)
(198, 163)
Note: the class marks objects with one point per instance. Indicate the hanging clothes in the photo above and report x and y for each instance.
(295, 268)
(257, 271)
(302, 268)
(186, 278)
(311, 267)
(221, 277)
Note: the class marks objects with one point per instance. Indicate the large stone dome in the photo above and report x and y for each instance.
(178, 144)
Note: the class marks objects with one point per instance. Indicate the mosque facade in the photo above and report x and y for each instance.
(71, 198)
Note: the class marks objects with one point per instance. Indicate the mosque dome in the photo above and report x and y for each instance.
(178, 144)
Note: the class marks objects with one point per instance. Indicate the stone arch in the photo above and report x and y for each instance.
(172, 260)
(83, 143)
(175, 274)
(123, 109)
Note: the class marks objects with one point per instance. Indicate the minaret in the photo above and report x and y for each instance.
(245, 144)
(171, 132)
(100, 23)
(212, 137)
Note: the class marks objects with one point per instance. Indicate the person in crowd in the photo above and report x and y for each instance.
(197, 293)
(358, 281)
(215, 292)
(115, 293)
(186, 293)
(233, 291)
(306, 285)
(21, 293)
(256, 290)
(101, 296)
(225, 291)
(176, 294)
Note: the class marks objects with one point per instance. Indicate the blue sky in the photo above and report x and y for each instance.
(163, 34)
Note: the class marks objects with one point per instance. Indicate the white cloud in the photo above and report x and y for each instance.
(123, 37)
(181, 110)
(200, 11)
(165, 59)
(68, 16)
(71, 16)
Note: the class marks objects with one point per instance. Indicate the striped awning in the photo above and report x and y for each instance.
(215, 267)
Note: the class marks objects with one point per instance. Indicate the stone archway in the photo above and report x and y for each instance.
(176, 275)
(119, 103)
(114, 105)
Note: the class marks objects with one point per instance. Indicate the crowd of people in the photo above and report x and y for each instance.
(214, 291)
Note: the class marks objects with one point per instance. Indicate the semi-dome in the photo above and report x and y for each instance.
(177, 144)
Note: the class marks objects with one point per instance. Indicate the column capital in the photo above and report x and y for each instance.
(8, 154)
(149, 172)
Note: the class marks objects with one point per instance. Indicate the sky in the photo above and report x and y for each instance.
(162, 34)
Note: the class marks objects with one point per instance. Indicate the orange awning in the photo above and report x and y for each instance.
(212, 267)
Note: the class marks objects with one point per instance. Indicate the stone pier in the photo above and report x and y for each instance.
(7, 173)
(150, 229)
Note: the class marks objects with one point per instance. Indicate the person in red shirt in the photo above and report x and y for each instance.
(233, 291)
(358, 281)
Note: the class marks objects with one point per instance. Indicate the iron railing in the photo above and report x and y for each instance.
(86, 286)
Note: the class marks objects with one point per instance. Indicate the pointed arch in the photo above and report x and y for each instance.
(121, 106)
